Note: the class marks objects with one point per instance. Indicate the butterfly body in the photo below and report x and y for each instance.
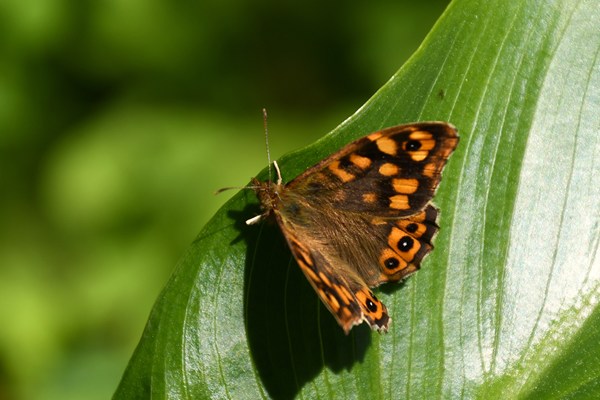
(362, 216)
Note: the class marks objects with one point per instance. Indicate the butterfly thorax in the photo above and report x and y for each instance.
(268, 193)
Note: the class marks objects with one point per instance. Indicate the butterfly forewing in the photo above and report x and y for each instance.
(393, 172)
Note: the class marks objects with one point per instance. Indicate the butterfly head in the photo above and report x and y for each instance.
(268, 192)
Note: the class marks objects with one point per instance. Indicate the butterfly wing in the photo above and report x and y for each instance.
(390, 173)
(343, 291)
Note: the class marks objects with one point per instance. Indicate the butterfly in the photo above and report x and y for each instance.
(362, 216)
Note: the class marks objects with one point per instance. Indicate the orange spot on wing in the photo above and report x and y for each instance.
(325, 279)
(333, 303)
(369, 197)
(430, 170)
(388, 169)
(387, 146)
(419, 155)
(421, 135)
(309, 272)
(360, 161)
(344, 294)
(399, 202)
(406, 186)
(334, 167)
(419, 217)
(428, 144)
(347, 313)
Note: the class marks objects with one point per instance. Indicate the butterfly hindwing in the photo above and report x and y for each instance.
(341, 277)
(346, 296)
(408, 242)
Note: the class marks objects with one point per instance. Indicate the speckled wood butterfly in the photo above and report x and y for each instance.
(362, 216)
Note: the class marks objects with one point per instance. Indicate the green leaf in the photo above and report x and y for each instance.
(506, 306)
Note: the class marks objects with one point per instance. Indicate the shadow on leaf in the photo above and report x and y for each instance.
(291, 334)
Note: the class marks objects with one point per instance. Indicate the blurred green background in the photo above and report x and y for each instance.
(118, 121)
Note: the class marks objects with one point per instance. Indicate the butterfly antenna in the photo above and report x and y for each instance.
(249, 187)
(279, 179)
(266, 127)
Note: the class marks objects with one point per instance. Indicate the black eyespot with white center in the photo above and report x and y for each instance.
(391, 263)
(371, 306)
(413, 145)
(405, 243)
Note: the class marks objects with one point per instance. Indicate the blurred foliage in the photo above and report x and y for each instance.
(119, 119)
(507, 305)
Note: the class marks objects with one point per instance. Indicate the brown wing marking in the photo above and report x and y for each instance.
(350, 303)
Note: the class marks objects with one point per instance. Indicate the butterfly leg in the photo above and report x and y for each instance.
(255, 219)
(279, 179)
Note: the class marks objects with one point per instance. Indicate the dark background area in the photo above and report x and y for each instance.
(119, 120)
